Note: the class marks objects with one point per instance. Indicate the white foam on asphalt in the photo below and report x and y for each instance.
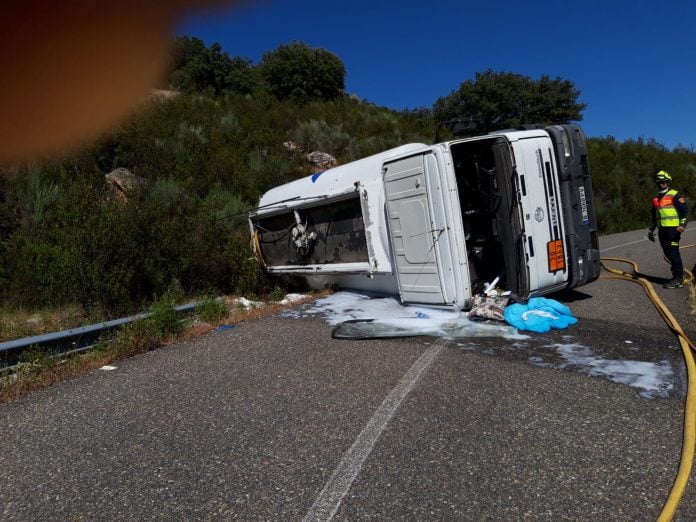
(407, 319)
(651, 379)
(344, 306)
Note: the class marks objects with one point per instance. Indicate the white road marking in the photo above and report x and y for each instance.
(330, 498)
(620, 246)
(634, 242)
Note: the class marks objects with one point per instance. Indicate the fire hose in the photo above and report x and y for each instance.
(689, 429)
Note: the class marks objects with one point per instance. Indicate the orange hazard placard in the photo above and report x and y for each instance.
(556, 255)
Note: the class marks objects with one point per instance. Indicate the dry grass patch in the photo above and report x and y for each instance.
(20, 323)
(40, 370)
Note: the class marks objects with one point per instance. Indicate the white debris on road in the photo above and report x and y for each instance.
(246, 303)
(291, 298)
(391, 318)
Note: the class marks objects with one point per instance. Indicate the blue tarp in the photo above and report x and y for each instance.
(539, 315)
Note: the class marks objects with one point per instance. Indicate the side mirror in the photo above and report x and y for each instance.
(458, 127)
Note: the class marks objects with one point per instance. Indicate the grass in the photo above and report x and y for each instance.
(40, 369)
(20, 323)
(212, 310)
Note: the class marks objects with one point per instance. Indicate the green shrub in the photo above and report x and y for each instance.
(131, 339)
(212, 310)
(622, 179)
(319, 135)
(34, 361)
(165, 320)
(247, 278)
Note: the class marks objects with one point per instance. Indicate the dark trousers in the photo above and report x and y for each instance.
(669, 241)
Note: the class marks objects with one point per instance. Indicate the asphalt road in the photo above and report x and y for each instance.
(274, 420)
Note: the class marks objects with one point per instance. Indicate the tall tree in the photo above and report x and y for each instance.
(197, 67)
(302, 73)
(497, 100)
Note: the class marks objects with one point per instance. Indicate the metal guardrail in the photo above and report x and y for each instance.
(72, 340)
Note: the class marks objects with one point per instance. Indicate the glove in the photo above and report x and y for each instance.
(651, 236)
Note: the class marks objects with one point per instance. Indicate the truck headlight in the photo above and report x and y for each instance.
(565, 138)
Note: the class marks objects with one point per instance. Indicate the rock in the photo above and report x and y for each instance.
(123, 184)
(321, 159)
(292, 147)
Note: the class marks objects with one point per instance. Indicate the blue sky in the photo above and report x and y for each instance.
(634, 62)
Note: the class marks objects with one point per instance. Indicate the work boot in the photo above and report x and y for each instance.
(676, 282)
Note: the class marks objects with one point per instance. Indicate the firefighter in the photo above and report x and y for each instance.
(669, 213)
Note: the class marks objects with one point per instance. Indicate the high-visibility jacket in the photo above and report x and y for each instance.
(668, 211)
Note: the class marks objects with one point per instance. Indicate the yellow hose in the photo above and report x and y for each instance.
(689, 437)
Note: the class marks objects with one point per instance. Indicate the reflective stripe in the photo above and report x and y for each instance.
(667, 215)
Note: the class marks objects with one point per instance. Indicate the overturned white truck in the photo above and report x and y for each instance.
(435, 223)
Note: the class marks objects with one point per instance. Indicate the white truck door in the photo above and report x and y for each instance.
(419, 242)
